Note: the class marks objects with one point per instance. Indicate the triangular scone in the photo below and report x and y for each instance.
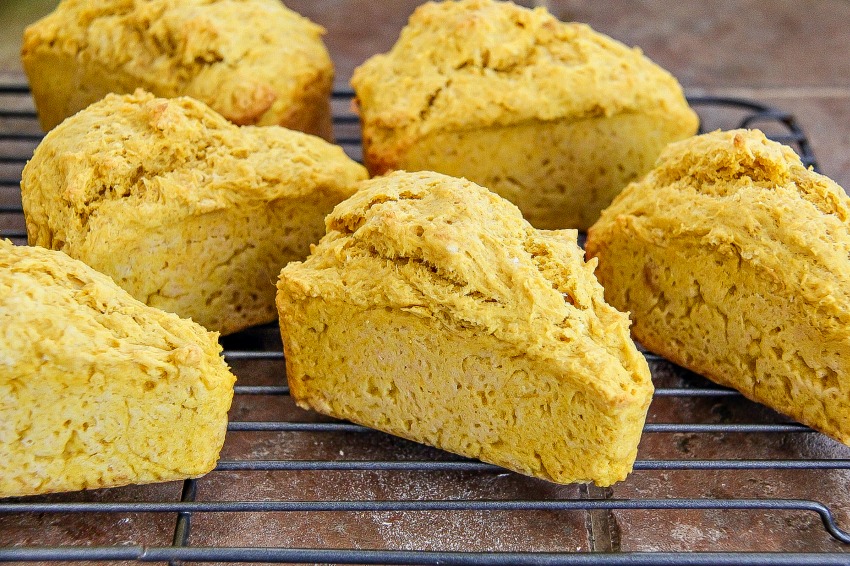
(254, 61)
(433, 311)
(553, 116)
(734, 260)
(97, 389)
(184, 210)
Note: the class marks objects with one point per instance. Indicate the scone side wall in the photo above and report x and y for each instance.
(399, 334)
(206, 213)
(209, 51)
(465, 393)
(551, 170)
(741, 275)
(97, 389)
(772, 361)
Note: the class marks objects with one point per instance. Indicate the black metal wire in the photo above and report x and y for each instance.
(251, 355)
(405, 557)
(181, 549)
(261, 390)
(443, 505)
(709, 428)
(476, 466)
(184, 519)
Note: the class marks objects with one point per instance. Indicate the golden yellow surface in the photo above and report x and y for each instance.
(734, 261)
(553, 116)
(253, 61)
(97, 389)
(183, 209)
(433, 311)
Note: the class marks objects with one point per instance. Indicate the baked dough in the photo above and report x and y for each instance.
(734, 260)
(253, 61)
(431, 310)
(183, 209)
(97, 389)
(552, 116)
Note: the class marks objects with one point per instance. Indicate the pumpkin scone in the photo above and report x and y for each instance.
(253, 61)
(185, 210)
(433, 311)
(553, 116)
(97, 389)
(734, 261)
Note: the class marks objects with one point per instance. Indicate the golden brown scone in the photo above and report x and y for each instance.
(433, 311)
(97, 389)
(734, 261)
(552, 116)
(253, 61)
(183, 209)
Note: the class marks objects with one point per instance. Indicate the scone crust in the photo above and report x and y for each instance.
(185, 210)
(254, 61)
(479, 63)
(97, 389)
(424, 255)
(733, 260)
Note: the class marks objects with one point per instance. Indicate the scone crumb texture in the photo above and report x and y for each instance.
(433, 311)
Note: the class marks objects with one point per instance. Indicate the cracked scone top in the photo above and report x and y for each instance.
(97, 389)
(552, 116)
(734, 261)
(433, 311)
(253, 61)
(183, 209)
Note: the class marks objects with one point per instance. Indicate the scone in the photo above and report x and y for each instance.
(552, 116)
(431, 310)
(734, 261)
(97, 389)
(186, 211)
(253, 61)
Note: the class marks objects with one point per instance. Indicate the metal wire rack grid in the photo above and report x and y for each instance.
(709, 434)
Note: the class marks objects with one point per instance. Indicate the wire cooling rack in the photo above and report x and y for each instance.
(719, 480)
